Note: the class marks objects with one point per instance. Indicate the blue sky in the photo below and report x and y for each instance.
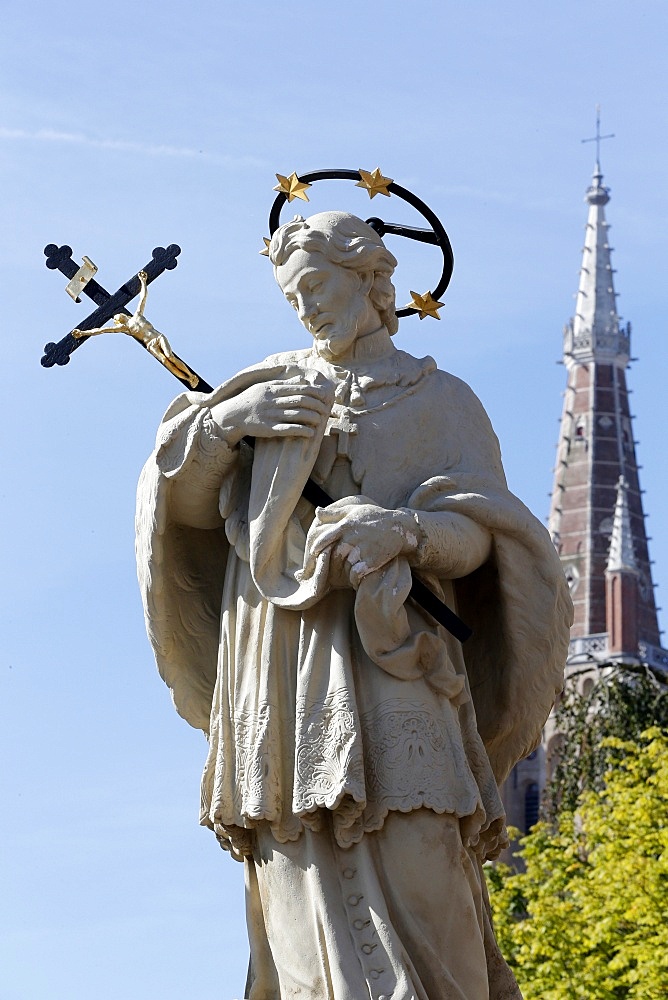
(127, 126)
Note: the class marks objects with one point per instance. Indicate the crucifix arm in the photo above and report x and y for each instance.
(143, 295)
(96, 331)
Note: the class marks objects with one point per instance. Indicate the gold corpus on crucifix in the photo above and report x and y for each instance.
(138, 326)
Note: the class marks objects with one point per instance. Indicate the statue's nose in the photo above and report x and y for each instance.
(307, 311)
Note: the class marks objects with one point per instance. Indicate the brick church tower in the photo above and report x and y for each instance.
(596, 517)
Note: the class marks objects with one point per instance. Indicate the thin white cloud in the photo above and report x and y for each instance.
(125, 146)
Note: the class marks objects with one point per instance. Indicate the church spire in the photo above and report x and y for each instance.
(596, 517)
(598, 525)
(594, 333)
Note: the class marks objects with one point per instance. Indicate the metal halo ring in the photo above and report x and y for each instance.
(437, 235)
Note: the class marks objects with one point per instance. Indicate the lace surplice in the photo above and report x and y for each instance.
(353, 740)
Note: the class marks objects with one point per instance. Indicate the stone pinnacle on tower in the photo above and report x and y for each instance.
(621, 584)
(621, 557)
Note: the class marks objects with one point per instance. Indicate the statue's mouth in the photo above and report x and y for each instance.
(317, 328)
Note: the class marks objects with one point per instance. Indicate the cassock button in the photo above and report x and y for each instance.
(360, 924)
(354, 900)
(368, 948)
(349, 873)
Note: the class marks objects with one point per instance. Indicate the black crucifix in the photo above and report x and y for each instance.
(110, 306)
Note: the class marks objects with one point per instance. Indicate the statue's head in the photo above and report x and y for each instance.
(336, 272)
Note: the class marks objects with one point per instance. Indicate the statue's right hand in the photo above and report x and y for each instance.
(273, 409)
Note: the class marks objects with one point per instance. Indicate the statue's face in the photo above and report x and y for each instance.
(331, 301)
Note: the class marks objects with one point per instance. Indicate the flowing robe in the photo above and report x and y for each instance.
(329, 711)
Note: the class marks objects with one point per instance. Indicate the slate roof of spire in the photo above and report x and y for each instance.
(595, 328)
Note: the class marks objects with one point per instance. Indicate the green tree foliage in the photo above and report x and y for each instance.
(619, 701)
(587, 918)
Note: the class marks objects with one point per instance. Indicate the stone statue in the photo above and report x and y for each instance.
(355, 747)
(138, 326)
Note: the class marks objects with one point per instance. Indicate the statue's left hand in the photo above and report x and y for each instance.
(363, 535)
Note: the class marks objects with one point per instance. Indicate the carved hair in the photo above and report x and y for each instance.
(346, 240)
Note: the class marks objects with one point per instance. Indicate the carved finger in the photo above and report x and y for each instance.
(333, 514)
(304, 401)
(277, 415)
(303, 417)
(294, 430)
(313, 391)
(322, 536)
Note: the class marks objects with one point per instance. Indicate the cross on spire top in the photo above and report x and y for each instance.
(598, 138)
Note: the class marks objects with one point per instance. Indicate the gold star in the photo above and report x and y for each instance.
(264, 252)
(425, 305)
(374, 182)
(292, 187)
